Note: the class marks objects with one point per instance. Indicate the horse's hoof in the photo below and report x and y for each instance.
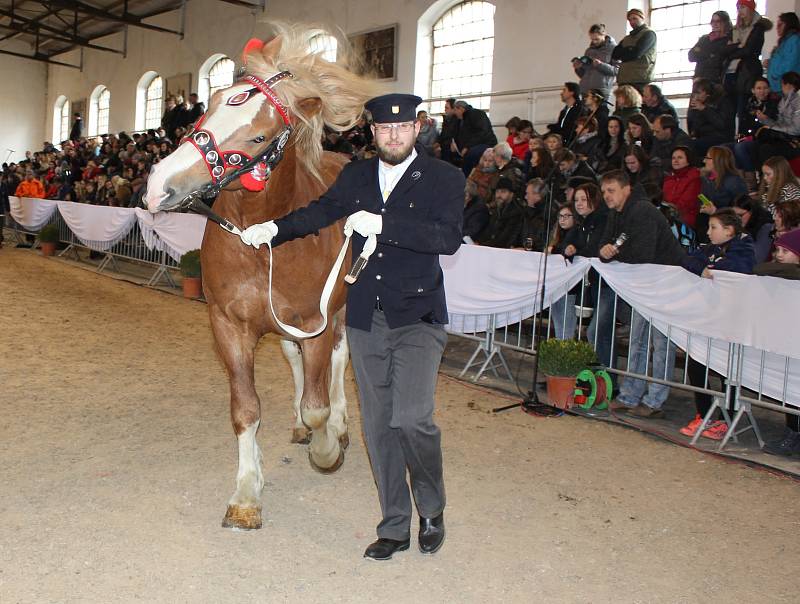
(301, 436)
(336, 465)
(344, 441)
(243, 519)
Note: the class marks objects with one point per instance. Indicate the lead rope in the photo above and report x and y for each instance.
(327, 289)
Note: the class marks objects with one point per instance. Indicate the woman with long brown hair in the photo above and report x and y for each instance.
(778, 182)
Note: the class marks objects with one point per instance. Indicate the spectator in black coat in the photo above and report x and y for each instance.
(476, 214)
(756, 222)
(667, 135)
(448, 132)
(474, 135)
(533, 234)
(505, 218)
(570, 167)
(568, 116)
(77, 128)
(196, 108)
(710, 117)
(597, 107)
(612, 146)
(654, 103)
(709, 54)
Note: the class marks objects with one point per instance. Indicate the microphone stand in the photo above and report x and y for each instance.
(531, 402)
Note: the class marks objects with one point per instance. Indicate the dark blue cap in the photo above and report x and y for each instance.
(393, 108)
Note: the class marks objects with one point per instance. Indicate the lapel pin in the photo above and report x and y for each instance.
(416, 174)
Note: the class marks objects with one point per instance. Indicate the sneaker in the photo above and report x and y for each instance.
(645, 412)
(716, 431)
(690, 428)
(617, 406)
(786, 446)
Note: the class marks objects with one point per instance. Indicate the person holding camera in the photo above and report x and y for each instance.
(594, 68)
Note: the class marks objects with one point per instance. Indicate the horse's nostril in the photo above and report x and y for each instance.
(169, 192)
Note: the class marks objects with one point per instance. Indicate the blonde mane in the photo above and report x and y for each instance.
(341, 92)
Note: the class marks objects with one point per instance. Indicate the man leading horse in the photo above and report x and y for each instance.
(396, 310)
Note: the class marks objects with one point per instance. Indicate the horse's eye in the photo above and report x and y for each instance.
(259, 139)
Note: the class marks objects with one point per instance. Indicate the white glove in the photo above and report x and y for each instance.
(258, 234)
(364, 223)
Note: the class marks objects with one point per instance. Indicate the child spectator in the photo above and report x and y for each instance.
(779, 184)
(730, 249)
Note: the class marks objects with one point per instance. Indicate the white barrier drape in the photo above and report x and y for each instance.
(31, 213)
(482, 281)
(731, 308)
(174, 233)
(97, 227)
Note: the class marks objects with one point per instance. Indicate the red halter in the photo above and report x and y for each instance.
(217, 161)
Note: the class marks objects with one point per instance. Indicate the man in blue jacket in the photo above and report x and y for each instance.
(396, 310)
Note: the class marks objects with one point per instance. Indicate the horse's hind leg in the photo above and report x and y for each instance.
(325, 453)
(236, 349)
(339, 360)
(293, 354)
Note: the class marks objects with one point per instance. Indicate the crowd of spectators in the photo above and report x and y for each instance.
(720, 194)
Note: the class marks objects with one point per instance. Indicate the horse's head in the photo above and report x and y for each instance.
(241, 124)
(244, 120)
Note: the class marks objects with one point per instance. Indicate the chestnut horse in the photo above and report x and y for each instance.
(287, 92)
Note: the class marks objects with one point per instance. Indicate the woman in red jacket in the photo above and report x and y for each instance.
(682, 187)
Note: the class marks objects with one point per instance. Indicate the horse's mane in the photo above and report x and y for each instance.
(342, 93)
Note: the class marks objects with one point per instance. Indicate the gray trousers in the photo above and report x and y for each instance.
(396, 371)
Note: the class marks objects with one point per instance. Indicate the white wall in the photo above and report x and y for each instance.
(534, 40)
(22, 105)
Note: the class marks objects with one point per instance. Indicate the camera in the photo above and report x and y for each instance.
(584, 59)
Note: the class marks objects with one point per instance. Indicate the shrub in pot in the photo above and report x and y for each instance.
(561, 361)
(191, 272)
(48, 237)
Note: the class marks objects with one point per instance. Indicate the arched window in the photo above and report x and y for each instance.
(60, 119)
(99, 104)
(463, 47)
(326, 45)
(678, 24)
(220, 75)
(153, 100)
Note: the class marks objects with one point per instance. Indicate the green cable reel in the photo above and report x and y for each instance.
(592, 389)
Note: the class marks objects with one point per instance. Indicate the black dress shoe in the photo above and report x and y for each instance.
(431, 534)
(382, 549)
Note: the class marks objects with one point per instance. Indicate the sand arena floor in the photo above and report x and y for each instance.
(117, 459)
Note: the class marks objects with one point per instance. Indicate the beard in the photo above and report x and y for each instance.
(396, 156)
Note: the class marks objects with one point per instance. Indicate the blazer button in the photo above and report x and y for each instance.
(378, 277)
(419, 290)
(383, 210)
(380, 254)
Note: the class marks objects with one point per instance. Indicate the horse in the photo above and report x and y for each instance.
(284, 99)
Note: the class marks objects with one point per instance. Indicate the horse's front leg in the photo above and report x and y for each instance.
(325, 453)
(236, 349)
(293, 354)
(339, 360)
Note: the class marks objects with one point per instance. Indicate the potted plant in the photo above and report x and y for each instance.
(190, 270)
(48, 237)
(561, 361)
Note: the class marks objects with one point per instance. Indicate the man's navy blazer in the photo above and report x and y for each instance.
(421, 219)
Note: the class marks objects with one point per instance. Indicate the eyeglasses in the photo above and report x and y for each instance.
(386, 128)
(564, 216)
(706, 158)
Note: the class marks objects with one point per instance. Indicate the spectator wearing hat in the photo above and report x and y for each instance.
(709, 53)
(474, 134)
(636, 53)
(568, 116)
(595, 68)
(654, 103)
(505, 221)
(396, 311)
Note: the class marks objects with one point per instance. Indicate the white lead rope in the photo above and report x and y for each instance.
(327, 290)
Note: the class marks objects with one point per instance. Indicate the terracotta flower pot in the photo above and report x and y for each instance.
(192, 287)
(48, 248)
(560, 391)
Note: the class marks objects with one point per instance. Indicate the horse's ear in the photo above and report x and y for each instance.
(253, 45)
(309, 107)
(272, 48)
